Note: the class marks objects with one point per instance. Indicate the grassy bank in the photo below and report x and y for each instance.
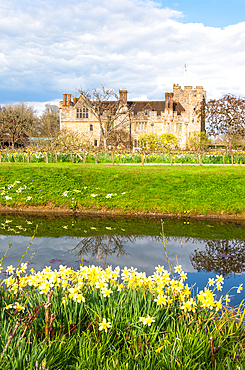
(177, 190)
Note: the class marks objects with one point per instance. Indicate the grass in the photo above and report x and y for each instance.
(171, 190)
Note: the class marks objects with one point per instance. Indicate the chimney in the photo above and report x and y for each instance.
(166, 101)
(125, 96)
(64, 99)
(74, 100)
(171, 104)
(69, 99)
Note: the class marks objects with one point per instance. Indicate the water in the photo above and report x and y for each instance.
(203, 248)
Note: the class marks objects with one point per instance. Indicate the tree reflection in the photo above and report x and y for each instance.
(100, 246)
(221, 256)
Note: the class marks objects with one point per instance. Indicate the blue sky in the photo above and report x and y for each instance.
(49, 47)
(215, 13)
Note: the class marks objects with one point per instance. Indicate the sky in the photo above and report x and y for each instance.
(52, 47)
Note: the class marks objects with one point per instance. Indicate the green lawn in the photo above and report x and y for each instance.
(178, 190)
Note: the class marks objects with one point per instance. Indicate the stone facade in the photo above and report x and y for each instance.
(176, 114)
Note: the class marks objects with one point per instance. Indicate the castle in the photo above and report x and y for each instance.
(177, 114)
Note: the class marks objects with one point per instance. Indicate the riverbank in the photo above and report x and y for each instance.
(206, 192)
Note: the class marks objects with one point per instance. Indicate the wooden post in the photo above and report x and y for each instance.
(71, 157)
(95, 158)
(171, 156)
(232, 159)
(28, 157)
(23, 155)
(223, 159)
(56, 158)
(113, 158)
(142, 159)
(121, 158)
(46, 157)
(84, 158)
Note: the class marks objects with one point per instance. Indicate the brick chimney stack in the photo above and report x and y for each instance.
(69, 99)
(64, 99)
(171, 104)
(123, 96)
(166, 101)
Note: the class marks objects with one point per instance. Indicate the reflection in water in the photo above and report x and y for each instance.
(100, 246)
(221, 256)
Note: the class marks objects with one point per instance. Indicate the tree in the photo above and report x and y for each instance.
(221, 256)
(153, 142)
(110, 111)
(199, 141)
(226, 116)
(49, 122)
(18, 121)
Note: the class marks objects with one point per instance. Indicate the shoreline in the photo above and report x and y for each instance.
(115, 213)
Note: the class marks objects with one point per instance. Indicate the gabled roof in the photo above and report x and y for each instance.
(141, 106)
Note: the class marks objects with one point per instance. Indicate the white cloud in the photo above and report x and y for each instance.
(51, 47)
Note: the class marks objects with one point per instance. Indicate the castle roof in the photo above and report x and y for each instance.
(140, 106)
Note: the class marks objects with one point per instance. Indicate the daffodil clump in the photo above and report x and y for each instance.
(78, 286)
(121, 315)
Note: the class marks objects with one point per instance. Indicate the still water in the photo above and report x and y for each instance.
(203, 248)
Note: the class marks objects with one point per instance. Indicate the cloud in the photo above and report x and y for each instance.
(51, 47)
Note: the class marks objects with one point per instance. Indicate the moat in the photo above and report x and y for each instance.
(203, 248)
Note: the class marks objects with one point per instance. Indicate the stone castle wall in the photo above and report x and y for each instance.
(178, 116)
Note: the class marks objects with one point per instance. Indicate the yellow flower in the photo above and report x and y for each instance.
(219, 305)
(104, 325)
(240, 288)
(178, 269)
(10, 269)
(17, 306)
(227, 299)
(161, 300)
(147, 320)
(159, 349)
(219, 279)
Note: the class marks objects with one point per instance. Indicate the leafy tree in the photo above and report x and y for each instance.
(148, 143)
(153, 142)
(226, 116)
(199, 141)
(167, 141)
(17, 120)
(49, 122)
(109, 110)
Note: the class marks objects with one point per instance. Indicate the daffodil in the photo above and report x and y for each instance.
(104, 325)
(147, 320)
(240, 288)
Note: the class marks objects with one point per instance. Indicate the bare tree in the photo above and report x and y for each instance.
(221, 256)
(226, 116)
(49, 123)
(18, 121)
(110, 110)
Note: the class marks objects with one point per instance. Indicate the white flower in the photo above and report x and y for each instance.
(65, 194)
(28, 198)
(94, 195)
(7, 198)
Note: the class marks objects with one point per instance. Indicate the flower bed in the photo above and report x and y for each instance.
(117, 319)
